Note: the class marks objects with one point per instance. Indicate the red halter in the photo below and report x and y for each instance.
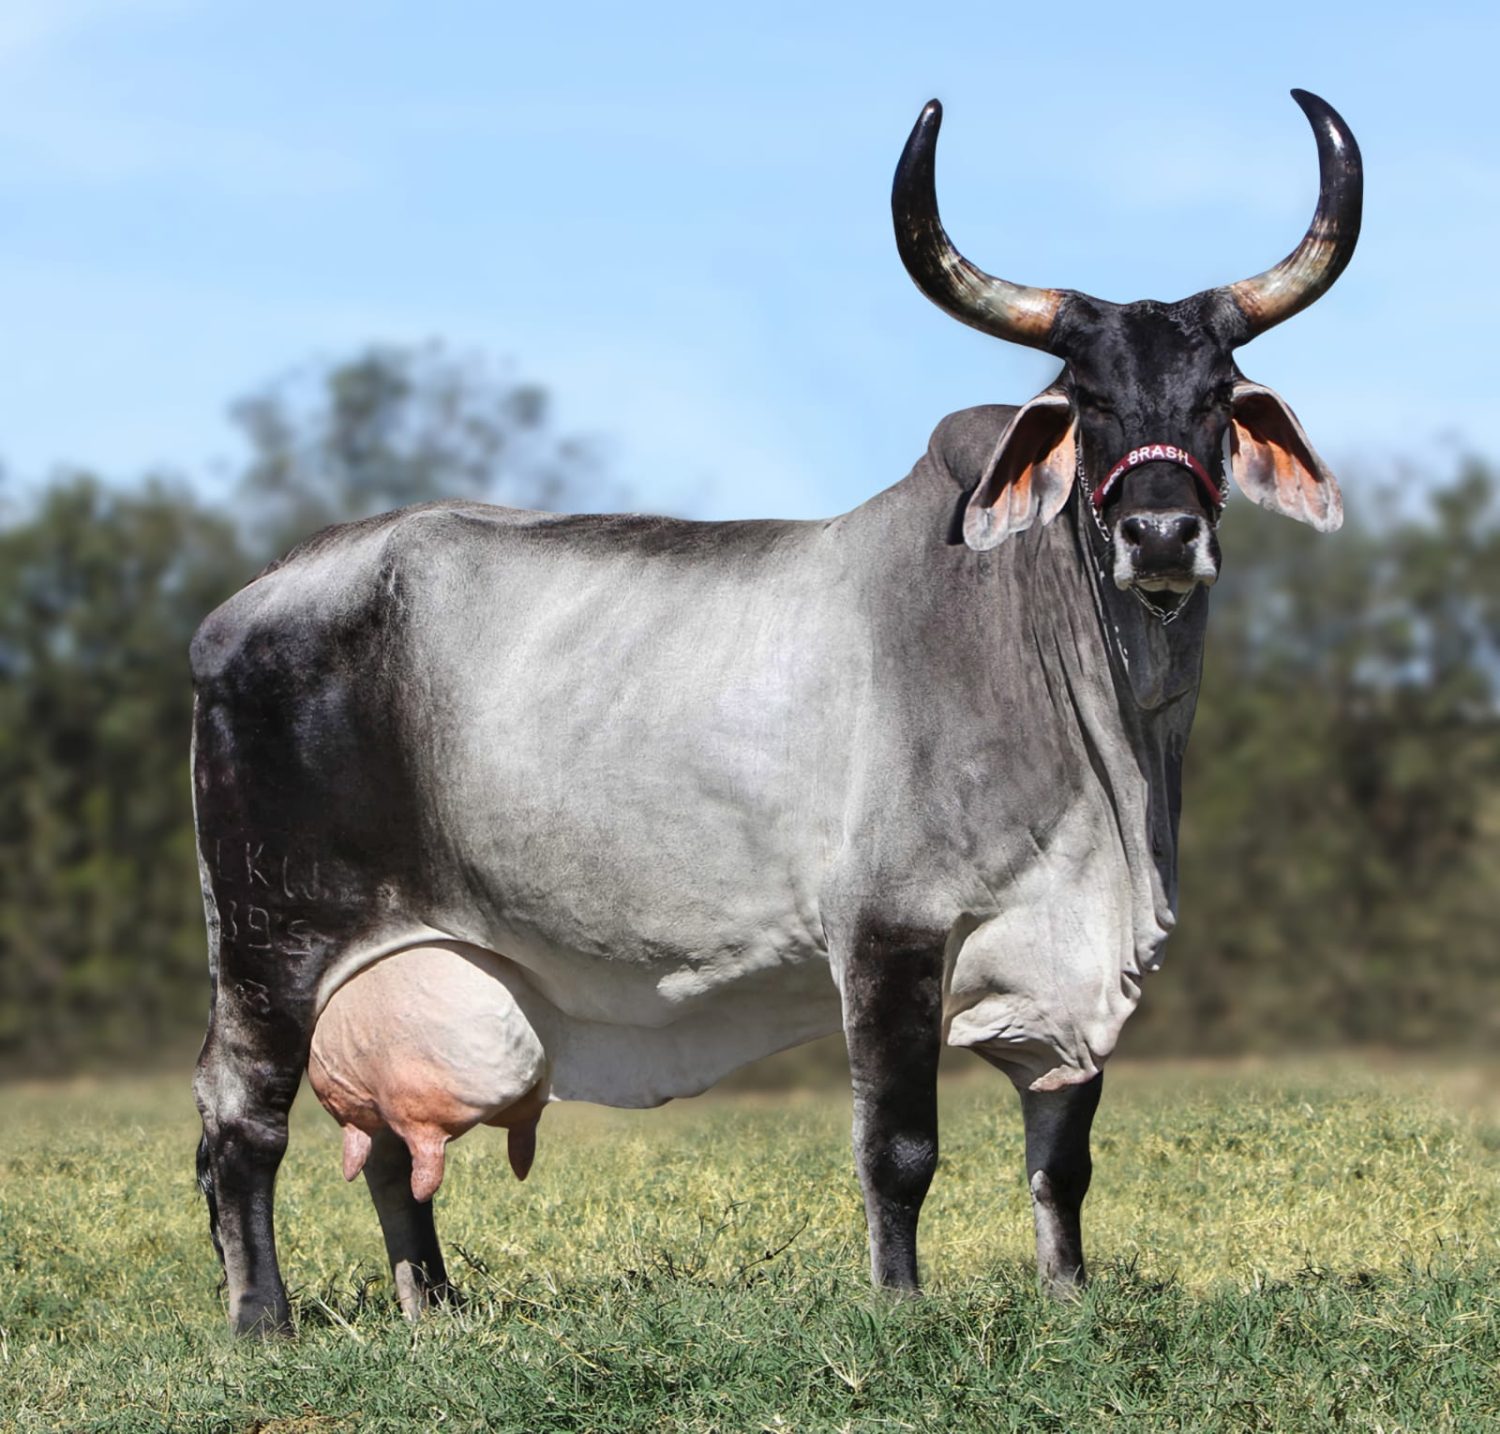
(1161, 453)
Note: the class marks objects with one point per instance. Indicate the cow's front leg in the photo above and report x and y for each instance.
(892, 999)
(1058, 1169)
(411, 1240)
(246, 1079)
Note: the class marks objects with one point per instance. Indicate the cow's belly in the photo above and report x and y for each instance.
(663, 975)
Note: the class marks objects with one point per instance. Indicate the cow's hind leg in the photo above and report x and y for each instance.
(411, 1239)
(1058, 1169)
(246, 1079)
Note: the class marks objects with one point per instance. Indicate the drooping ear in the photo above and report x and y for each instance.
(1273, 462)
(1030, 473)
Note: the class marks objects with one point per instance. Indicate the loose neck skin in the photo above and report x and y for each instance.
(1157, 670)
(1018, 766)
(1036, 668)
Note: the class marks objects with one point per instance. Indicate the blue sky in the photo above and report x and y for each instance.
(676, 216)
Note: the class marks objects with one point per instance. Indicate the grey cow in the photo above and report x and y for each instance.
(682, 794)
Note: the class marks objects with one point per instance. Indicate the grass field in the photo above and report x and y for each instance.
(1308, 1248)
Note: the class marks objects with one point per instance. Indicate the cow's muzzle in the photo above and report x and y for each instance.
(1169, 553)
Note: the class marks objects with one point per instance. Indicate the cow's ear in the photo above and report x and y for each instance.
(1273, 462)
(1029, 475)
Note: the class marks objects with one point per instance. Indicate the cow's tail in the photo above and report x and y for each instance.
(206, 1185)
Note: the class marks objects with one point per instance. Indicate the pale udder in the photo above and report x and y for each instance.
(430, 1042)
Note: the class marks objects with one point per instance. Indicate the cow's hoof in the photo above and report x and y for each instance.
(416, 1294)
(269, 1319)
(1067, 1288)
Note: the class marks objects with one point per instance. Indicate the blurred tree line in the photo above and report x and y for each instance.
(1340, 851)
(1341, 835)
(102, 952)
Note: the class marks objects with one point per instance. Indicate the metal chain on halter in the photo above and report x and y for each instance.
(1171, 614)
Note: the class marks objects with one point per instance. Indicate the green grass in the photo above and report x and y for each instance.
(1298, 1249)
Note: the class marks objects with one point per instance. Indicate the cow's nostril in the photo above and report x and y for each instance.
(1133, 530)
(1186, 529)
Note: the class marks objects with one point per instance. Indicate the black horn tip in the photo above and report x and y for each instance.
(913, 184)
(1328, 124)
(1318, 111)
(1315, 107)
(1307, 272)
(928, 123)
(1004, 310)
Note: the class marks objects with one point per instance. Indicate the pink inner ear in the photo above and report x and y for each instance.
(1048, 479)
(1030, 476)
(1276, 466)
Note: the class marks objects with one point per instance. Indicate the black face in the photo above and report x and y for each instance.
(1154, 384)
(1151, 373)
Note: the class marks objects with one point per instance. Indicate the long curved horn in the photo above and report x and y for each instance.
(1007, 311)
(1310, 269)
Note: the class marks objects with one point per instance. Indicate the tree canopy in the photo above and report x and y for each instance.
(101, 588)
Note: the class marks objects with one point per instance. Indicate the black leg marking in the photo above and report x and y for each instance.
(244, 1099)
(893, 1024)
(206, 1189)
(411, 1239)
(1058, 1169)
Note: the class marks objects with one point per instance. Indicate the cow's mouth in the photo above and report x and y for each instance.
(1159, 583)
(1163, 601)
(1165, 594)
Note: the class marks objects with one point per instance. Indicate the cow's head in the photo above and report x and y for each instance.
(1150, 401)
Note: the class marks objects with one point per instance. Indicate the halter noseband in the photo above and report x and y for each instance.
(1216, 493)
(1161, 453)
